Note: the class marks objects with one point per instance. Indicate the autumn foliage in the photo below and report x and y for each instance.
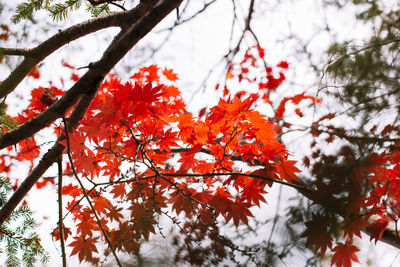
(139, 154)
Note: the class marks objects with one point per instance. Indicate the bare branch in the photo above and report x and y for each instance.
(180, 22)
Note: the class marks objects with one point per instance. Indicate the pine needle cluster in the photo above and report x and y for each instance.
(18, 240)
(58, 11)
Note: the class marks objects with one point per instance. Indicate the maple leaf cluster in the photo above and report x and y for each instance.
(155, 153)
(144, 155)
(357, 184)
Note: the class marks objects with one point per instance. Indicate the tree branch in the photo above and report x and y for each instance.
(354, 138)
(389, 236)
(60, 213)
(14, 51)
(87, 196)
(87, 84)
(346, 55)
(48, 159)
(182, 21)
(90, 81)
(35, 55)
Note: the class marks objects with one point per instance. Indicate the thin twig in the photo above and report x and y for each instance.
(276, 218)
(342, 57)
(14, 51)
(60, 213)
(297, 186)
(353, 138)
(182, 21)
(87, 197)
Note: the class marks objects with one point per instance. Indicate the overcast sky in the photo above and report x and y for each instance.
(195, 48)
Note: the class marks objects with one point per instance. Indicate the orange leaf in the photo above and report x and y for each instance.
(170, 75)
(287, 170)
(296, 100)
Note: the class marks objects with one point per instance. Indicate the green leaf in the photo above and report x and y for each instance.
(60, 11)
(21, 244)
(26, 9)
(99, 10)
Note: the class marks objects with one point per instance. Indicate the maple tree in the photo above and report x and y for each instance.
(129, 152)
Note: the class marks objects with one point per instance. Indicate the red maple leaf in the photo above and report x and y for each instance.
(168, 140)
(146, 94)
(253, 191)
(283, 65)
(44, 182)
(238, 211)
(137, 100)
(344, 254)
(65, 64)
(34, 73)
(354, 227)
(72, 190)
(28, 150)
(115, 214)
(86, 163)
(220, 201)
(377, 229)
(317, 233)
(171, 91)
(84, 247)
(101, 204)
(181, 202)
(119, 190)
(76, 142)
(56, 232)
(86, 226)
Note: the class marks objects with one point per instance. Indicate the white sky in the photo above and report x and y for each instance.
(192, 51)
